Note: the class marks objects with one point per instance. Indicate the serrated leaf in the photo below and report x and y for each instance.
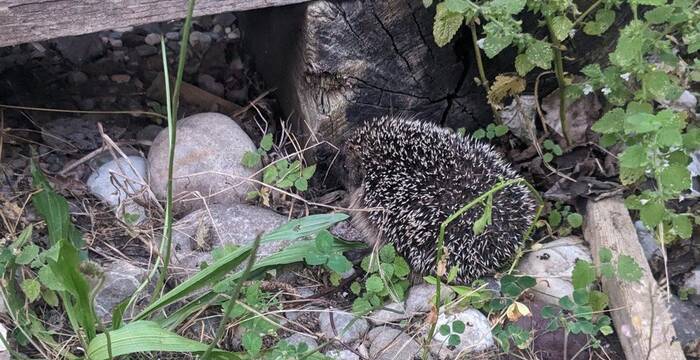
(659, 84)
(603, 19)
(549, 311)
(252, 342)
(27, 255)
(641, 123)
(479, 134)
(540, 53)
(266, 142)
(387, 270)
(629, 45)
(606, 330)
(669, 137)
(605, 255)
(523, 65)
(598, 300)
(31, 289)
(401, 268)
(510, 7)
(355, 288)
(575, 220)
(634, 156)
(583, 274)
(387, 253)
(630, 176)
(251, 159)
(315, 258)
(566, 303)
(301, 184)
(675, 178)
(561, 26)
(658, 15)
(457, 6)
(361, 306)
(48, 279)
(611, 122)
(49, 297)
(581, 296)
(496, 40)
(374, 284)
(270, 175)
(554, 218)
(308, 172)
(324, 242)
(446, 24)
(682, 226)
(652, 213)
(628, 269)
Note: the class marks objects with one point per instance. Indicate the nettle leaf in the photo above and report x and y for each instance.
(583, 274)
(458, 6)
(510, 7)
(374, 284)
(691, 139)
(682, 226)
(540, 53)
(675, 178)
(612, 122)
(401, 268)
(496, 40)
(659, 15)
(31, 289)
(604, 18)
(561, 26)
(629, 45)
(669, 136)
(387, 253)
(630, 175)
(523, 65)
(634, 156)
(641, 123)
(628, 269)
(659, 84)
(652, 213)
(446, 24)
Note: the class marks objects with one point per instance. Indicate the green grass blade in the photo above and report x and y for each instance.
(145, 336)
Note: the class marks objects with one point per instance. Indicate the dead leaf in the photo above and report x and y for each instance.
(580, 115)
(516, 310)
(503, 86)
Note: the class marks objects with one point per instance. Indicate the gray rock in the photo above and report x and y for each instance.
(149, 132)
(650, 246)
(208, 83)
(346, 327)
(118, 182)
(146, 50)
(391, 313)
(224, 19)
(173, 35)
(80, 49)
(208, 154)
(297, 339)
(342, 355)
(121, 279)
(475, 338)
(686, 321)
(152, 39)
(200, 41)
(686, 102)
(693, 283)
(195, 235)
(115, 43)
(392, 344)
(420, 297)
(552, 266)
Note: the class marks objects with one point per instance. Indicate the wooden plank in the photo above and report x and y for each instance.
(640, 314)
(23, 21)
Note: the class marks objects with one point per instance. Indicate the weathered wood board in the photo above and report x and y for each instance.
(640, 315)
(23, 21)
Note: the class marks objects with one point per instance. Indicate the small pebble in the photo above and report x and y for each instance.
(121, 78)
(152, 39)
(173, 35)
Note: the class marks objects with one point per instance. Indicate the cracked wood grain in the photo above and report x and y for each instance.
(23, 21)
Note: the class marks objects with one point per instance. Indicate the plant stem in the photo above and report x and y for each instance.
(171, 104)
(559, 71)
(234, 295)
(477, 55)
(587, 12)
(441, 240)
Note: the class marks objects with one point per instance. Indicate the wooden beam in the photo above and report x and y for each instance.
(640, 316)
(23, 21)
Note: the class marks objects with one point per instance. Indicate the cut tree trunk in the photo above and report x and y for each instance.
(639, 310)
(24, 21)
(338, 63)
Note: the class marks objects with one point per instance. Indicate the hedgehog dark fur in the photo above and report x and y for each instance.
(418, 174)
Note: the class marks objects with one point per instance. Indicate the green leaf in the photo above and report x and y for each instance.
(453, 340)
(301, 184)
(509, 7)
(387, 253)
(146, 336)
(549, 311)
(561, 26)
(634, 156)
(659, 84)
(339, 263)
(523, 65)
(270, 175)
(251, 159)
(554, 218)
(452, 275)
(374, 284)
(401, 268)
(658, 15)
(606, 330)
(54, 209)
(669, 136)
(458, 327)
(675, 178)
(31, 289)
(28, 254)
(583, 274)
(457, 6)
(284, 183)
(682, 226)
(566, 303)
(630, 176)
(387, 270)
(603, 19)
(652, 213)
(48, 279)
(501, 130)
(446, 24)
(611, 122)
(496, 40)
(480, 224)
(581, 296)
(266, 142)
(49, 297)
(324, 242)
(548, 157)
(641, 123)
(629, 45)
(598, 300)
(479, 134)
(356, 288)
(444, 330)
(308, 172)
(315, 258)
(540, 53)
(361, 306)
(252, 342)
(605, 255)
(575, 220)
(628, 269)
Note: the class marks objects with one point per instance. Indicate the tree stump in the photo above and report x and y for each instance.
(338, 63)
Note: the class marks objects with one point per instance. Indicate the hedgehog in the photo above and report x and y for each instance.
(411, 175)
